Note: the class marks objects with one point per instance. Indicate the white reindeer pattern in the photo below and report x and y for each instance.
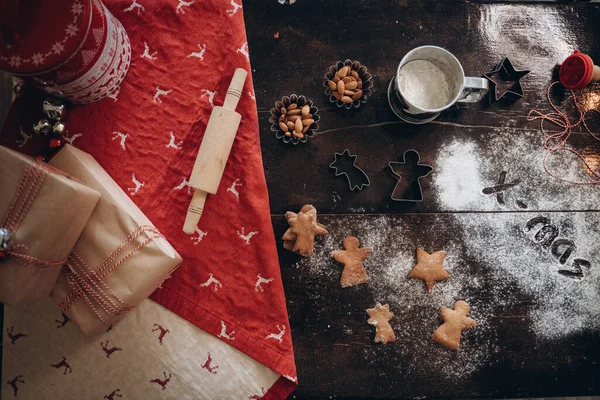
(147, 54)
(210, 95)
(184, 183)
(198, 54)
(212, 280)
(244, 50)
(137, 184)
(233, 189)
(224, 334)
(135, 5)
(123, 137)
(71, 139)
(173, 145)
(246, 237)
(235, 9)
(200, 236)
(160, 92)
(277, 336)
(179, 9)
(259, 282)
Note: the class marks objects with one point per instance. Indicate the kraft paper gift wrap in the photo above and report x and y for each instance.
(120, 258)
(46, 212)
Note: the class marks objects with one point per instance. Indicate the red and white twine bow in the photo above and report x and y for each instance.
(89, 283)
(32, 181)
(557, 141)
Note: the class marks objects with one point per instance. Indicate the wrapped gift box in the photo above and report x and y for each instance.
(120, 258)
(45, 211)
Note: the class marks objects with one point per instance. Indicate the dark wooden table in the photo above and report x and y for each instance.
(539, 330)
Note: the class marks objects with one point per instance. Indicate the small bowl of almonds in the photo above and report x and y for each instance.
(294, 119)
(348, 84)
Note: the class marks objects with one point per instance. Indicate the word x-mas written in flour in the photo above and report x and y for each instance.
(561, 248)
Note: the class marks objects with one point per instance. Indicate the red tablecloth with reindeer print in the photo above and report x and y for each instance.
(146, 137)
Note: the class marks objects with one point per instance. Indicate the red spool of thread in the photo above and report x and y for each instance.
(74, 49)
(578, 71)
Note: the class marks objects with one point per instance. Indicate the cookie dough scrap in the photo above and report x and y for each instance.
(430, 268)
(379, 317)
(300, 237)
(354, 272)
(448, 334)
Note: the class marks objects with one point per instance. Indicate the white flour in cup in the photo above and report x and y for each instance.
(424, 85)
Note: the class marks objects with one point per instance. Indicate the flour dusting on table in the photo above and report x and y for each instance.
(466, 165)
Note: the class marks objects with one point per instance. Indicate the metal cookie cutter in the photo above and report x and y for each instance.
(409, 172)
(506, 72)
(344, 164)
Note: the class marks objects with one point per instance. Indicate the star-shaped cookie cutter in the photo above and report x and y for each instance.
(347, 158)
(506, 72)
(415, 185)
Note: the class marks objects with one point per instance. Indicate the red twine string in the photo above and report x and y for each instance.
(560, 119)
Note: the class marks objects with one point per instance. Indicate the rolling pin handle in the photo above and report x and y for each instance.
(236, 88)
(194, 212)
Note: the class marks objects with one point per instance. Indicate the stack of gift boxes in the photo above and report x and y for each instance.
(68, 231)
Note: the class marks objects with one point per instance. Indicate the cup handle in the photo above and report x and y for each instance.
(474, 90)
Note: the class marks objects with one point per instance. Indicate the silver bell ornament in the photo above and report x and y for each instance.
(6, 242)
(58, 128)
(42, 127)
(54, 110)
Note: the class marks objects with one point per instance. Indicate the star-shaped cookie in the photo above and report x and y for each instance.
(379, 317)
(430, 267)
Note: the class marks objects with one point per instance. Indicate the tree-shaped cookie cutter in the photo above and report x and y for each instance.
(411, 192)
(345, 164)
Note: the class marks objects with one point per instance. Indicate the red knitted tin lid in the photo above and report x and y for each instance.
(576, 71)
(39, 35)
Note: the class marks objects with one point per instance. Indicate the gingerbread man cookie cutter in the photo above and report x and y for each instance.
(410, 172)
(345, 164)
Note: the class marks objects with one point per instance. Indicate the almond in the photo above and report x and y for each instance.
(343, 71)
(283, 127)
(341, 86)
(347, 79)
(346, 99)
(292, 106)
(283, 110)
(294, 112)
(299, 135)
(354, 74)
(337, 95)
(351, 85)
(357, 95)
(293, 118)
(291, 125)
(307, 122)
(359, 84)
(336, 79)
(305, 128)
(332, 85)
(288, 134)
(305, 110)
(298, 125)
(349, 92)
(281, 118)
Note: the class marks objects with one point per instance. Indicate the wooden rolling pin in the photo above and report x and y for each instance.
(214, 150)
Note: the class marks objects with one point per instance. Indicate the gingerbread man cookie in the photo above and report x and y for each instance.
(354, 271)
(430, 267)
(300, 237)
(448, 334)
(379, 316)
